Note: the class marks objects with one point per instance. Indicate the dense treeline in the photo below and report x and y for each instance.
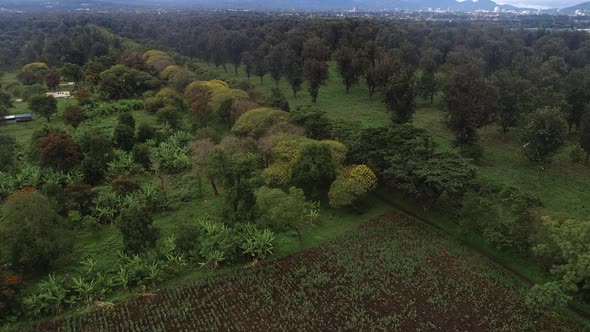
(270, 164)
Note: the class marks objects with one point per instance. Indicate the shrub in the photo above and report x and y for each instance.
(577, 154)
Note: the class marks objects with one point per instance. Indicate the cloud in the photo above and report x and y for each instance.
(541, 3)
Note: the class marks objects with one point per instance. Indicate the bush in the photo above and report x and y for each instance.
(123, 186)
(577, 154)
(471, 151)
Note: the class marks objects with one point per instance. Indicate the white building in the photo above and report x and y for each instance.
(59, 94)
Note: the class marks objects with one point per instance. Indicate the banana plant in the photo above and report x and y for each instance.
(213, 259)
(123, 277)
(260, 245)
(84, 288)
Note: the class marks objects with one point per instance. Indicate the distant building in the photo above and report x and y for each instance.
(9, 119)
(497, 10)
(59, 94)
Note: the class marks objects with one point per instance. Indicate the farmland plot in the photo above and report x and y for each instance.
(391, 274)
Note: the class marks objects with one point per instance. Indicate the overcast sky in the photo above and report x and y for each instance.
(541, 3)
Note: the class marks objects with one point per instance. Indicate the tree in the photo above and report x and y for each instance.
(274, 62)
(470, 101)
(241, 177)
(548, 297)
(280, 210)
(293, 68)
(74, 115)
(72, 72)
(544, 134)
(43, 105)
(120, 82)
(565, 245)
(59, 150)
(399, 96)
(92, 170)
(316, 74)
(127, 119)
(427, 178)
(5, 103)
(278, 100)
(315, 168)
(428, 85)
(349, 65)
(52, 78)
(135, 225)
(260, 67)
(8, 151)
(169, 115)
(124, 137)
(236, 42)
(351, 185)
(585, 135)
(577, 86)
(31, 231)
(510, 89)
(256, 122)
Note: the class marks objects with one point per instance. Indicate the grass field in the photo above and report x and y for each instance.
(390, 274)
(563, 187)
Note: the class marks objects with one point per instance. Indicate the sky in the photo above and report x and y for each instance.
(541, 3)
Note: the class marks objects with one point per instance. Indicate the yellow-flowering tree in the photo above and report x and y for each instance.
(352, 184)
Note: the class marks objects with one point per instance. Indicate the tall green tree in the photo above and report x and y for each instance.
(349, 65)
(315, 169)
(5, 103)
(316, 74)
(32, 233)
(293, 71)
(400, 95)
(43, 105)
(135, 225)
(511, 88)
(470, 100)
(543, 136)
(8, 150)
(120, 82)
(585, 135)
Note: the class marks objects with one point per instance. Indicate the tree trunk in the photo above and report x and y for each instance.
(261, 80)
(163, 187)
(213, 185)
(587, 156)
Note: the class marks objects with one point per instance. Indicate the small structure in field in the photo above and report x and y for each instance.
(16, 118)
(59, 94)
